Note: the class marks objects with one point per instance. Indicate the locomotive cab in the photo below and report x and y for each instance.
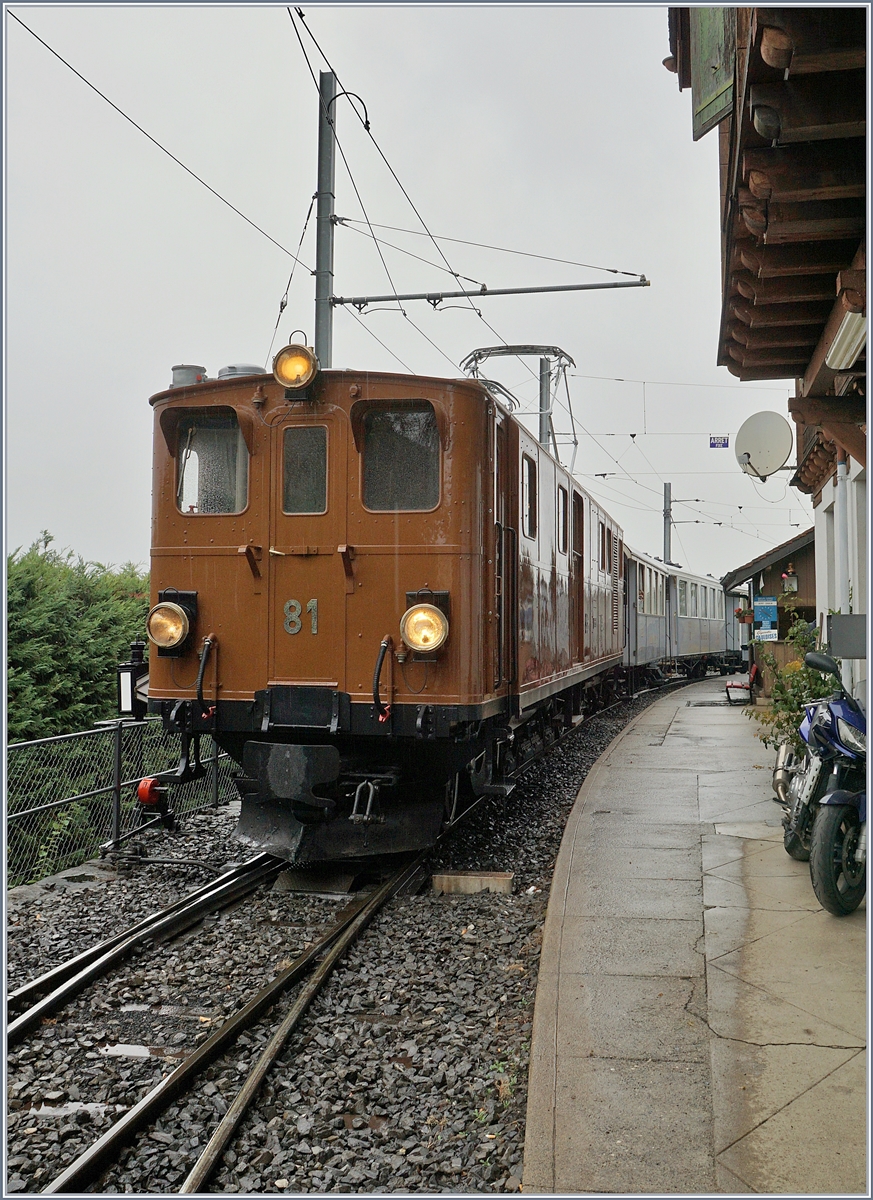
(375, 591)
(296, 531)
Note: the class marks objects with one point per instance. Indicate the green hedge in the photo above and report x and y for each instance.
(69, 623)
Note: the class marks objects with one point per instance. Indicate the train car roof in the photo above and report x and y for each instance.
(230, 381)
(673, 569)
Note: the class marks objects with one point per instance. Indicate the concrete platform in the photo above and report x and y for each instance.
(700, 1022)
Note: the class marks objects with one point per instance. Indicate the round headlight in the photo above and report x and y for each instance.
(167, 625)
(423, 627)
(295, 366)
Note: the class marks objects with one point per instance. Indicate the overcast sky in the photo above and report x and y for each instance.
(553, 130)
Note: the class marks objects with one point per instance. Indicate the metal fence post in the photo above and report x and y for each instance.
(116, 785)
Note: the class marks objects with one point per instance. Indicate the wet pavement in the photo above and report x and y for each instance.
(700, 1021)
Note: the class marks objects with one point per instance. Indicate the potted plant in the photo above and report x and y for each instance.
(745, 616)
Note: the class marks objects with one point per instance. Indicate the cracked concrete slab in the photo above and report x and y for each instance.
(700, 1021)
(816, 1145)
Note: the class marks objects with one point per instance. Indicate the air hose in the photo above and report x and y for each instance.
(383, 710)
(208, 643)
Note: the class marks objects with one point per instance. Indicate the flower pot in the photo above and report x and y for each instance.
(746, 618)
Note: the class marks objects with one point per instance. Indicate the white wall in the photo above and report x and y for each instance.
(825, 555)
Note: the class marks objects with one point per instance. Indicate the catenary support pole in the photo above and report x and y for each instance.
(324, 224)
(545, 401)
(668, 522)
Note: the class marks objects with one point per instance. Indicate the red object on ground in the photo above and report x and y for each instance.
(148, 791)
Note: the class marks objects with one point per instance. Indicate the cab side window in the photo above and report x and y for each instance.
(401, 450)
(528, 496)
(212, 464)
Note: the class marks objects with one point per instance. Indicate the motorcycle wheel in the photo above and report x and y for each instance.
(839, 882)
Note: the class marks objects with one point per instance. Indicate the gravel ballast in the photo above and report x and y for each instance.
(409, 1073)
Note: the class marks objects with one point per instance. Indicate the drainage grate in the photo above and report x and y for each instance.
(707, 704)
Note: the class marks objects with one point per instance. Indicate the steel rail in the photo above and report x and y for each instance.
(230, 1122)
(85, 1169)
(71, 978)
(50, 979)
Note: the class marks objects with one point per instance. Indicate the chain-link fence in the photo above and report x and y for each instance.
(67, 796)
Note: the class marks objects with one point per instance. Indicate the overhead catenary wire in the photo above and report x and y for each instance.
(363, 324)
(502, 249)
(729, 387)
(283, 303)
(155, 141)
(368, 130)
(348, 168)
(417, 257)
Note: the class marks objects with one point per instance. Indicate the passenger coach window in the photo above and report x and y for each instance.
(694, 599)
(562, 520)
(401, 459)
(529, 496)
(683, 597)
(305, 472)
(212, 464)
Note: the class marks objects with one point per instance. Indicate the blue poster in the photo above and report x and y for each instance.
(718, 442)
(766, 610)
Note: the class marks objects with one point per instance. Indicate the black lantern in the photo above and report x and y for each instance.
(133, 684)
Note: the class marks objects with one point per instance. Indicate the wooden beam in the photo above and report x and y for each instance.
(852, 289)
(800, 337)
(777, 262)
(818, 378)
(806, 41)
(781, 314)
(749, 374)
(793, 290)
(810, 109)
(791, 359)
(823, 410)
(851, 437)
(811, 171)
(819, 221)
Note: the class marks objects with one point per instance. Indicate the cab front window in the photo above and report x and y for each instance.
(401, 468)
(212, 464)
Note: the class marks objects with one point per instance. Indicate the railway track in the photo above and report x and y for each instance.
(320, 958)
(37, 1000)
(99, 1159)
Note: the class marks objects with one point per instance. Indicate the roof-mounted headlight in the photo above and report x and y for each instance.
(295, 366)
(424, 628)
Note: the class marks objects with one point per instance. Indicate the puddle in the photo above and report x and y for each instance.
(72, 1107)
(169, 1010)
(129, 1050)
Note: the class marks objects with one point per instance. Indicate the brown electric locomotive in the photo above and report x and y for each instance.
(378, 592)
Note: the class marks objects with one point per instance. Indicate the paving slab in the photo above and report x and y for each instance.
(700, 1022)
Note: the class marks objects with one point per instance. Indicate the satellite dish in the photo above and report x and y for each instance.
(763, 444)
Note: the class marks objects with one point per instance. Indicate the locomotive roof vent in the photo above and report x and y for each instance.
(240, 369)
(185, 374)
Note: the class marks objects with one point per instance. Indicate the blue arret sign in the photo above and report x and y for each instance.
(718, 441)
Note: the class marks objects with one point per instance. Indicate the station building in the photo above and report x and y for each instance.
(786, 89)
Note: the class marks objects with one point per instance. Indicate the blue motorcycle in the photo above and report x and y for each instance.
(834, 731)
(838, 849)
